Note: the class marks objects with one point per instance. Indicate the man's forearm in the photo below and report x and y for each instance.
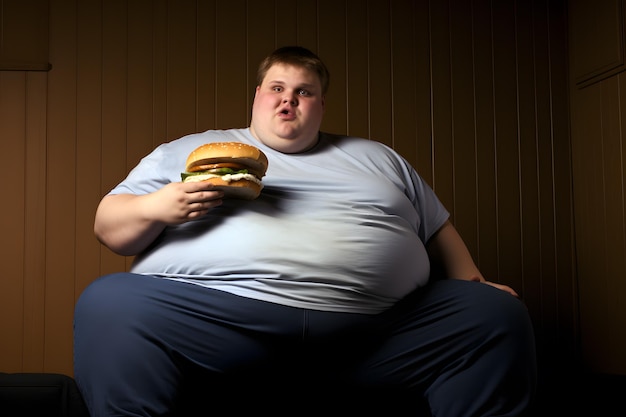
(121, 226)
(447, 249)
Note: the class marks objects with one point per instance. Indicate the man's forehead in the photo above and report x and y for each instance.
(281, 73)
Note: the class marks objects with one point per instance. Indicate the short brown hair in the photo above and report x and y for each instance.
(297, 56)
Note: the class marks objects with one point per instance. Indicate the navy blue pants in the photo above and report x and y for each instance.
(146, 346)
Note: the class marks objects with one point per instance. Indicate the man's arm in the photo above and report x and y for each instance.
(128, 223)
(447, 250)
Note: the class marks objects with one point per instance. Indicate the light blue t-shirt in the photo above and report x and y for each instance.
(340, 228)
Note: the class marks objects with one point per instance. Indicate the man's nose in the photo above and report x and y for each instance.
(290, 98)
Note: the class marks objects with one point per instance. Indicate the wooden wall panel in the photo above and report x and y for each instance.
(231, 67)
(422, 92)
(22, 249)
(12, 151)
(88, 138)
(159, 65)
(598, 40)
(182, 65)
(285, 12)
(380, 82)
(614, 197)
(140, 93)
(507, 143)
(485, 130)
(473, 94)
(529, 155)
(441, 106)
(24, 35)
(34, 225)
(61, 191)
(559, 278)
(261, 17)
(618, 233)
(403, 63)
(332, 45)
(357, 103)
(308, 15)
(205, 64)
(462, 130)
(598, 97)
(114, 159)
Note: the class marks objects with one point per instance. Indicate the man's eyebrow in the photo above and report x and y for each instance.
(309, 86)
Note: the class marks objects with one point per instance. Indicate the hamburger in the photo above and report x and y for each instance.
(233, 167)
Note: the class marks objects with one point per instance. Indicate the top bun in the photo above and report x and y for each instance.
(219, 152)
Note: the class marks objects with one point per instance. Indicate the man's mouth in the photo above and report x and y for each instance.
(286, 114)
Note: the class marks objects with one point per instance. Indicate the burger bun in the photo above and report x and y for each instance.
(247, 163)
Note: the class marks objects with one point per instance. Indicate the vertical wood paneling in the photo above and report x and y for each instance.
(613, 196)
(205, 62)
(529, 140)
(507, 143)
(464, 206)
(286, 12)
(114, 148)
(587, 162)
(231, 65)
(357, 71)
(34, 222)
(259, 17)
(442, 153)
(474, 94)
(619, 338)
(403, 66)
(380, 82)
(140, 91)
(598, 175)
(181, 68)
(159, 71)
(60, 236)
(332, 49)
(88, 138)
(487, 254)
(308, 27)
(13, 166)
(114, 92)
(24, 35)
(423, 90)
(559, 292)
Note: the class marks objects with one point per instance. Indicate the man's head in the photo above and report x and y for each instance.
(296, 56)
(289, 101)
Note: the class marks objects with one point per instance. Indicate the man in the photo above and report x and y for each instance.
(318, 292)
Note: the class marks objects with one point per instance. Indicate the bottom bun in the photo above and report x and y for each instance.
(243, 189)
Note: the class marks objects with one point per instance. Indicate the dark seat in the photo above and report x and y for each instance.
(41, 395)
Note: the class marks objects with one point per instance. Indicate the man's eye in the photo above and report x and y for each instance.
(277, 89)
(304, 93)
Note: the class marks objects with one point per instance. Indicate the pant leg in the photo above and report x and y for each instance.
(137, 338)
(467, 347)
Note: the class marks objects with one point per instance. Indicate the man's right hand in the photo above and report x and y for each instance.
(128, 223)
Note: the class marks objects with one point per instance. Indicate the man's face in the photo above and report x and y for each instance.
(288, 109)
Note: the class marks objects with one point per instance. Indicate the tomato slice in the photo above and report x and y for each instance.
(233, 165)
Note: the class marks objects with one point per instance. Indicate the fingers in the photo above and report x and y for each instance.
(503, 287)
(200, 192)
(200, 203)
(179, 202)
(194, 187)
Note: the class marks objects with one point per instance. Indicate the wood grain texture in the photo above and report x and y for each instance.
(473, 94)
